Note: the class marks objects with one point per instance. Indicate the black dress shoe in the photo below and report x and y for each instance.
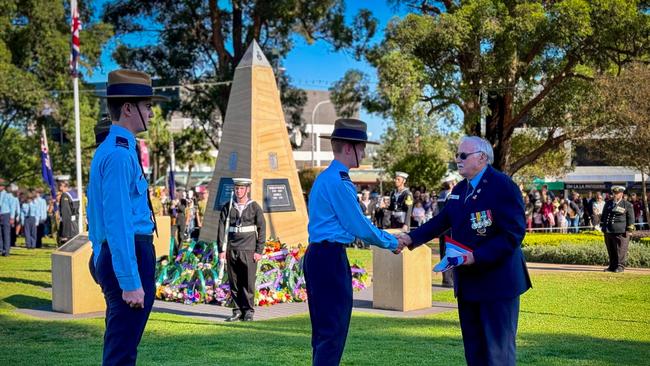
(248, 317)
(235, 317)
(609, 270)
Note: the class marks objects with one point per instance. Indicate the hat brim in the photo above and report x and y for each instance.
(350, 139)
(154, 98)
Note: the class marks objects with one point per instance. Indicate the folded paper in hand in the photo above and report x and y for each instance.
(455, 255)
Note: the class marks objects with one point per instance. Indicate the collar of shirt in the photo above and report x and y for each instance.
(339, 166)
(477, 178)
(123, 132)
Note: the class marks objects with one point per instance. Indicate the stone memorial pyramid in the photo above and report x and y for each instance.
(255, 144)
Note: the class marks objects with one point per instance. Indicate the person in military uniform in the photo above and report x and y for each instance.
(401, 203)
(246, 234)
(6, 218)
(485, 212)
(617, 220)
(68, 225)
(120, 220)
(336, 220)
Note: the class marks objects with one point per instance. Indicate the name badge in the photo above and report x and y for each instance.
(619, 209)
(480, 221)
(454, 197)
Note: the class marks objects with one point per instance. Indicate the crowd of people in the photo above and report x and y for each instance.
(546, 211)
(32, 213)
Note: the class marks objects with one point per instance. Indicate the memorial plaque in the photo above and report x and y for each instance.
(226, 187)
(277, 196)
(73, 244)
(232, 163)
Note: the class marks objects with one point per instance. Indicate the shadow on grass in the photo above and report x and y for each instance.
(612, 319)
(28, 302)
(38, 270)
(563, 349)
(372, 341)
(26, 281)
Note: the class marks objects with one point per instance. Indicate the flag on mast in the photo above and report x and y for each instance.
(75, 28)
(46, 167)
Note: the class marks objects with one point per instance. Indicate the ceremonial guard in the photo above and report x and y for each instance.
(120, 220)
(240, 241)
(616, 222)
(335, 220)
(401, 203)
(68, 209)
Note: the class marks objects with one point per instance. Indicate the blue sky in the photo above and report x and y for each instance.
(313, 66)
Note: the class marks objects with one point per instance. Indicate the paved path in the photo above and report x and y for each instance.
(362, 303)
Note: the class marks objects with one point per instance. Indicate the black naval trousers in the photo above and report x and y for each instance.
(617, 245)
(242, 270)
(125, 325)
(329, 292)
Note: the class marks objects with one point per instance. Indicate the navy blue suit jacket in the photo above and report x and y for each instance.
(491, 221)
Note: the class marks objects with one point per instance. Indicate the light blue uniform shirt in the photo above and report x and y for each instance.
(335, 214)
(474, 182)
(14, 207)
(41, 206)
(28, 209)
(4, 202)
(117, 204)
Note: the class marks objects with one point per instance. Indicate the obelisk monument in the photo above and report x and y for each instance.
(255, 144)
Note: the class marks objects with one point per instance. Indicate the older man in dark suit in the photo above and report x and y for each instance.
(485, 212)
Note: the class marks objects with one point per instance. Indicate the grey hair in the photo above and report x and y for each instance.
(482, 145)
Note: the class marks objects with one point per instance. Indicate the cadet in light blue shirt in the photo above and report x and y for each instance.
(28, 219)
(5, 220)
(120, 219)
(335, 219)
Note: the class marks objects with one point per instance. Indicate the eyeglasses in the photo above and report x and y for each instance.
(465, 155)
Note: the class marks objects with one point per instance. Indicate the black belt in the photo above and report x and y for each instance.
(326, 242)
(143, 236)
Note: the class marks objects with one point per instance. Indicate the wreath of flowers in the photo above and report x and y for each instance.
(192, 275)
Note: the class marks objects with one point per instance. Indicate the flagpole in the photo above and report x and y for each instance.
(77, 125)
(77, 141)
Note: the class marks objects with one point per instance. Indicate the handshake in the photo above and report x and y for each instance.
(403, 241)
(456, 254)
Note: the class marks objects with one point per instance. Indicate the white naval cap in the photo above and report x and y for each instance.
(402, 174)
(242, 181)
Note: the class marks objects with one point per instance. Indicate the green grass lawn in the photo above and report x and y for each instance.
(567, 319)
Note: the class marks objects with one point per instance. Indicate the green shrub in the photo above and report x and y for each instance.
(589, 254)
(556, 239)
(644, 241)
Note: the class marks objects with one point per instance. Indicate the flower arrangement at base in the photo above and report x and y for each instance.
(192, 276)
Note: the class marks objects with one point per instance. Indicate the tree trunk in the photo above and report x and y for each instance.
(189, 176)
(645, 197)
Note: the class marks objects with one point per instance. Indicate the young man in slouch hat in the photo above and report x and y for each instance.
(335, 220)
(120, 220)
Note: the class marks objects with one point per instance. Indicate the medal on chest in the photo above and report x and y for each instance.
(480, 221)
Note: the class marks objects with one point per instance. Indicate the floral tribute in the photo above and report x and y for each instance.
(193, 276)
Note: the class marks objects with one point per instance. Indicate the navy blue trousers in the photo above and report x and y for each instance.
(30, 231)
(5, 234)
(489, 331)
(124, 325)
(329, 291)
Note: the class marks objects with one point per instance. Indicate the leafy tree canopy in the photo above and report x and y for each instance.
(201, 41)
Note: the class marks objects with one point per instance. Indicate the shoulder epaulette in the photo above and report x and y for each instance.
(121, 142)
(345, 176)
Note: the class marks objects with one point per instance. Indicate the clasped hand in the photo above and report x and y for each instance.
(403, 241)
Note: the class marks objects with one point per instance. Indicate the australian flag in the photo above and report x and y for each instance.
(172, 188)
(46, 167)
(75, 27)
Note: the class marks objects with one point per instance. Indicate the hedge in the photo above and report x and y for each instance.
(556, 239)
(588, 254)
